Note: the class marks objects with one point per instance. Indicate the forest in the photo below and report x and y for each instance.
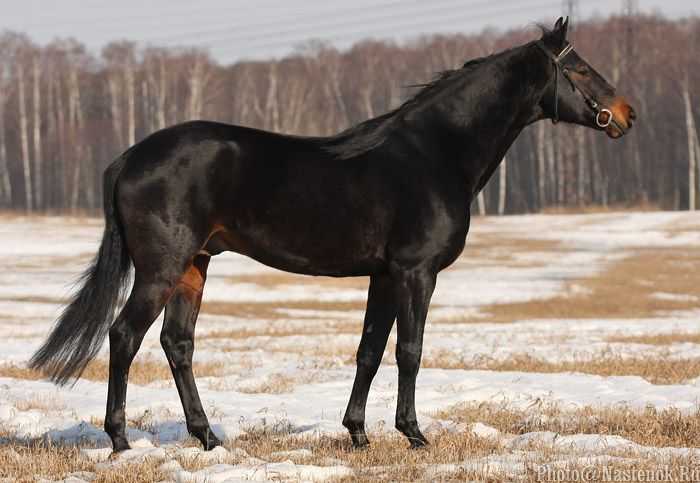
(66, 112)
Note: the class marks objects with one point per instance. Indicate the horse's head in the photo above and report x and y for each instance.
(577, 93)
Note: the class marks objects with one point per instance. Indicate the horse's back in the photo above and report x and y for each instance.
(280, 199)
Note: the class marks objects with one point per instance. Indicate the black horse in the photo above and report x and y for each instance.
(388, 198)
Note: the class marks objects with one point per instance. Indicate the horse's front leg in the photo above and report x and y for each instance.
(414, 288)
(379, 318)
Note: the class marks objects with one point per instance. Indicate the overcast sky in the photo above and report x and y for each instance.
(236, 29)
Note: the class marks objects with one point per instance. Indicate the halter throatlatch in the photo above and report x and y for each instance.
(603, 116)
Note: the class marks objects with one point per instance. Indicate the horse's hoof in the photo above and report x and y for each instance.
(118, 449)
(411, 431)
(211, 443)
(418, 443)
(207, 437)
(360, 442)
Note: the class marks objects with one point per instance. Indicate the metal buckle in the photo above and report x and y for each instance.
(610, 118)
(564, 52)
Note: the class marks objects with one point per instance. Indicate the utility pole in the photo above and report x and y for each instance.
(693, 142)
(630, 9)
(569, 9)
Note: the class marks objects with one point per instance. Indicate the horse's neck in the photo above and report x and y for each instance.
(485, 117)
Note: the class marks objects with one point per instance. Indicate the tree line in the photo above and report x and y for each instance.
(65, 113)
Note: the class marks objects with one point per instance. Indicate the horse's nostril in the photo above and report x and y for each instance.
(633, 115)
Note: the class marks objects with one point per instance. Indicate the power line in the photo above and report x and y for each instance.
(351, 30)
(285, 27)
(570, 9)
(341, 16)
(166, 17)
(630, 7)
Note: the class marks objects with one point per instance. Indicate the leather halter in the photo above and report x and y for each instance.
(590, 100)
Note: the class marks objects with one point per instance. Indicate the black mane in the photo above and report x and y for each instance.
(373, 132)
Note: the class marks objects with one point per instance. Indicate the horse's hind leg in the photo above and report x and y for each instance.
(379, 318)
(146, 301)
(415, 288)
(177, 339)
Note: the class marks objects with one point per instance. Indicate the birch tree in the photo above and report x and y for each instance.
(24, 136)
(38, 157)
(691, 135)
(197, 79)
(5, 184)
(502, 178)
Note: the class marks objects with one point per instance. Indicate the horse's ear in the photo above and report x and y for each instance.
(558, 34)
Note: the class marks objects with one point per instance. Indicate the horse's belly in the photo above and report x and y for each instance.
(333, 255)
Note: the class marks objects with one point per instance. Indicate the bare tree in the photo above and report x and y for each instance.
(156, 78)
(272, 116)
(581, 160)
(481, 203)
(38, 169)
(541, 169)
(75, 118)
(502, 178)
(67, 112)
(5, 184)
(198, 76)
(24, 136)
(692, 146)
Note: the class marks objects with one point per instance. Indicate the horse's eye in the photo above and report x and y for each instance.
(583, 70)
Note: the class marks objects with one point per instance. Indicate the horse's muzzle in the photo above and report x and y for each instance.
(623, 117)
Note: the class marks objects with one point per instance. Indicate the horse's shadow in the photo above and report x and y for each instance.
(87, 435)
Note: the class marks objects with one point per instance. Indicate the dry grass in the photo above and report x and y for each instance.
(54, 261)
(657, 370)
(277, 279)
(19, 372)
(497, 249)
(34, 299)
(265, 330)
(625, 290)
(658, 339)
(317, 356)
(648, 427)
(636, 469)
(25, 463)
(43, 404)
(592, 209)
(143, 371)
(683, 226)
(275, 310)
(387, 459)
(279, 383)
(273, 384)
(78, 216)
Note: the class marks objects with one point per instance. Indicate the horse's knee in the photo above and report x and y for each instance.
(369, 360)
(120, 336)
(408, 359)
(179, 351)
(115, 422)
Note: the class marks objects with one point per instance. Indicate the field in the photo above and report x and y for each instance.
(558, 347)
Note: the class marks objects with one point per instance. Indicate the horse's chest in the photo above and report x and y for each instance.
(437, 238)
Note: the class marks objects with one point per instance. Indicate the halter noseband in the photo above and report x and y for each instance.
(590, 101)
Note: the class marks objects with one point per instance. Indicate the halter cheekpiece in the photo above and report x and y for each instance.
(590, 101)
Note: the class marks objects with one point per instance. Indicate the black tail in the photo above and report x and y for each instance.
(80, 331)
